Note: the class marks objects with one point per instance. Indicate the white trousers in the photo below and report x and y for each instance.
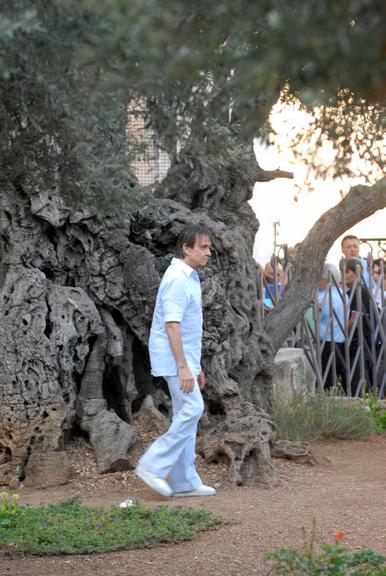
(172, 455)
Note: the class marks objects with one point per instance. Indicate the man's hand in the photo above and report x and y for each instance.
(201, 380)
(186, 380)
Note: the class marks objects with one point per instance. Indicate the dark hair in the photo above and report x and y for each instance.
(350, 264)
(189, 236)
(378, 262)
(349, 237)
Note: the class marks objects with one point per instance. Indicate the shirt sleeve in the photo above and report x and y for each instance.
(174, 300)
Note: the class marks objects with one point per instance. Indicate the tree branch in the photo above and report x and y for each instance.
(268, 175)
(360, 203)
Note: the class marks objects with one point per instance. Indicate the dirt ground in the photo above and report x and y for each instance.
(345, 491)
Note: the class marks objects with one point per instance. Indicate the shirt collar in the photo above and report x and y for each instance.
(186, 269)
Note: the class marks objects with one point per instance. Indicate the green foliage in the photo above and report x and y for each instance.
(376, 411)
(331, 560)
(7, 504)
(70, 528)
(10, 512)
(322, 417)
(69, 70)
(344, 124)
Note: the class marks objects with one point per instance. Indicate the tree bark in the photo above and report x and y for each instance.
(77, 295)
(77, 299)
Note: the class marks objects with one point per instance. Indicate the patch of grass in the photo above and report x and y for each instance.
(70, 528)
(322, 417)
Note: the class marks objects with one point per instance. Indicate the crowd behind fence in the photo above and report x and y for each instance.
(342, 332)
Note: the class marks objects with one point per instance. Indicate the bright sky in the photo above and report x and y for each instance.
(276, 202)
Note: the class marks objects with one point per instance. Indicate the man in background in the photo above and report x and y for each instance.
(350, 249)
(274, 279)
(359, 307)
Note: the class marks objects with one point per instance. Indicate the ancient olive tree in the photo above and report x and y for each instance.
(83, 246)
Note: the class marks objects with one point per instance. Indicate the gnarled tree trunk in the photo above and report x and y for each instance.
(77, 295)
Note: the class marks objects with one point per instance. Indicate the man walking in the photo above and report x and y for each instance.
(167, 467)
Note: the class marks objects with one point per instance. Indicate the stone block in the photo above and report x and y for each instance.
(47, 469)
(292, 374)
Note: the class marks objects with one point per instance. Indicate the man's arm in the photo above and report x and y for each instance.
(185, 376)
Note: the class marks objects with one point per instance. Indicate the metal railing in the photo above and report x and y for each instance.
(342, 333)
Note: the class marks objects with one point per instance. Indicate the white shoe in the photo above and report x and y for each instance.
(200, 491)
(157, 484)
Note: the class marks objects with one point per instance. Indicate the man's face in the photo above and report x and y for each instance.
(322, 284)
(376, 272)
(198, 255)
(269, 273)
(350, 248)
(349, 277)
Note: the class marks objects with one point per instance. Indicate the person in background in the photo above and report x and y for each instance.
(350, 249)
(358, 306)
(332, 324)
(379, 267)
(379, 291)
(269, 272)
(274, 277)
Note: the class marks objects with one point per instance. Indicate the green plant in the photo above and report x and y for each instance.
(376, 411)
(332, 560)
(70, 528)
(10, 511)
(8, 503)
(321, 417)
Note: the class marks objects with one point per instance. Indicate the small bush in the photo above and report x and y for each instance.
(332, 560)
(377, 412)
(322, 417)
(70, 528)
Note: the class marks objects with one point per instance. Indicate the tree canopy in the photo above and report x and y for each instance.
(209, 74)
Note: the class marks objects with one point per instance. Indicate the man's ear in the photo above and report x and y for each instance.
(185, 249)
